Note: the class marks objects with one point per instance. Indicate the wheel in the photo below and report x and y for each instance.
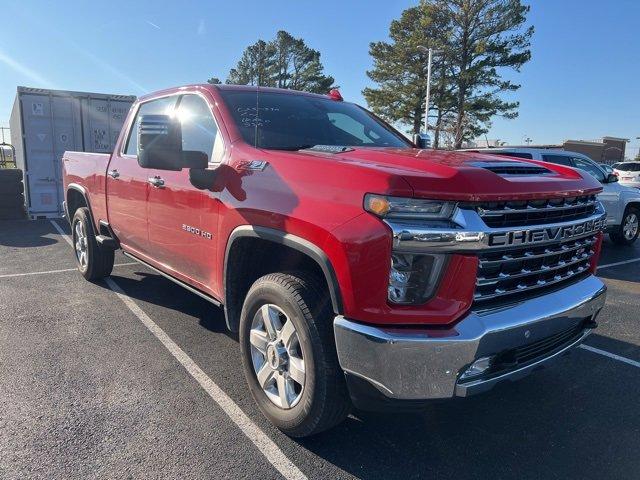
(93, 262)
(11, 200)
(627, 232)
(10, 175)
(289, 355)
(11, 188)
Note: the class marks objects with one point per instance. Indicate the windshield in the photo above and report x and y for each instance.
(295, 122)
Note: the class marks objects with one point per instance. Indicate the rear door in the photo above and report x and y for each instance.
(183, 219)
(128, 185)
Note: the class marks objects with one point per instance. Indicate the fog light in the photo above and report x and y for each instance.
(477, 368)
(413, 279)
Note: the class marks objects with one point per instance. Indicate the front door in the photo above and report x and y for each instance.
(182, 219)
(610, 195)
(128, 185)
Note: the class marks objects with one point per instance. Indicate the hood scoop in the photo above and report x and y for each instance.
(513, 168)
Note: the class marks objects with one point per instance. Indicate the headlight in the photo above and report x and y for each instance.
(408, 208)
(413, 279)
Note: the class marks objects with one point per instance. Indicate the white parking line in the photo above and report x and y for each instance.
(607, 265)
(61, 232)
(10, 275)
(267, 447)
(611, 355)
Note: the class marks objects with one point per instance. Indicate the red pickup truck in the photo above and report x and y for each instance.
(356, 268)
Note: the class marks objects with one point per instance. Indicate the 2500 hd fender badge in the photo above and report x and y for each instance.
(196, 231)
(543, 235)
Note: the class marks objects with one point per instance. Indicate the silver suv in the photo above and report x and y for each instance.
(621, 203)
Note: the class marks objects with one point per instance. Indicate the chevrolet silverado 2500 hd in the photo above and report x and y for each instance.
(356, 269)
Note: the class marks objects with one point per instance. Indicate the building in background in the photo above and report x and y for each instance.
(606, 150)
(609, 150)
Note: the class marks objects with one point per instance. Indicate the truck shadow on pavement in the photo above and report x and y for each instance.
(153, 288)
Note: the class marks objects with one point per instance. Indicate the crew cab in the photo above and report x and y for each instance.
(621, 203)
(355, 268)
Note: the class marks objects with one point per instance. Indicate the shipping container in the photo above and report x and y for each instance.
(46, 123)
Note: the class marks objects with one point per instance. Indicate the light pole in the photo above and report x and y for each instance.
(429, 52)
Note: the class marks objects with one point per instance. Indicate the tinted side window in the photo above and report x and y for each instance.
(559, 159)
(161, 106)
(589, 167)
(199, 130)
(513, 154)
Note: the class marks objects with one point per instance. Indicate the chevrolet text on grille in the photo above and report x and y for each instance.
(523, 237)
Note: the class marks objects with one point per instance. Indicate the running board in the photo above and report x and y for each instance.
(184, 285)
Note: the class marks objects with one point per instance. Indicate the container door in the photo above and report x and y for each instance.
(118, 111)
(67, 135)
(43, 151)
(95, 116)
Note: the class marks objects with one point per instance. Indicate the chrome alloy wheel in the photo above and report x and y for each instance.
(80, 243)
(630, 227)
(277, 357)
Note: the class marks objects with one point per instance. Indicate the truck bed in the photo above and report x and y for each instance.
(86, 171)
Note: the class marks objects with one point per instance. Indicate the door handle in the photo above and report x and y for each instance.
(156, 182)
(113, 173)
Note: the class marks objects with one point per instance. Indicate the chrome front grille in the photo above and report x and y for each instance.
(535, 212)
(524, 270)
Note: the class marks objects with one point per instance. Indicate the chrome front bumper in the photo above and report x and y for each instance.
(423, 363)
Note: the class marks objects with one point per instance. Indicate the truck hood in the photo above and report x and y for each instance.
(470, 176)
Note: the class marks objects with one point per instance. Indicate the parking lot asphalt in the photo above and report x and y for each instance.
(89, 390)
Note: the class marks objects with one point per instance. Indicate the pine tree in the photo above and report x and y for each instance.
(475, 40)
(285, 62)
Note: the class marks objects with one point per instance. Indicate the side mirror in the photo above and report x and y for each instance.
(160, 142)
(612, 178)
(160, 145)
(422, 140)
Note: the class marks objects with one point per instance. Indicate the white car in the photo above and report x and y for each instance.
(628, 173)
(621, 202)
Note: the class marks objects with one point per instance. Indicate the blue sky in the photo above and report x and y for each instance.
(582, 82)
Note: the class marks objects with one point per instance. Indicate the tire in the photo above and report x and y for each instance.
(321, 401)
(10, 175)
(96, 262)
(11, 201)
(627, 232)
(11, 188)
